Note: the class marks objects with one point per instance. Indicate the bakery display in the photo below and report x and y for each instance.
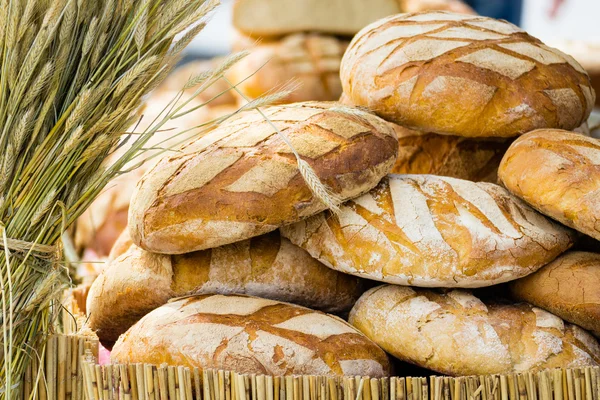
(455, 333)
(310, 61)
(250, 335)
(242, 180)
(558, 173)
(431, 231)
(453, 156)
(466, 75)
(568, 287)
(268, 266)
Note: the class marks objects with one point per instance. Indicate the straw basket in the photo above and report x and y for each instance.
(149, 382)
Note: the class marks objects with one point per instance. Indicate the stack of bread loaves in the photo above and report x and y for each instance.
(303, 41)
(239, 243)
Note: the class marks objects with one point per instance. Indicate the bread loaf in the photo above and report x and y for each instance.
(568, 287)
(136, 281)
(309, 60)
(102, 223)
(454, 156)
(430, 231)
(464, 75)
(455, 333)
(558, 173)
(242, 180)
(250, 335)
(269, 18)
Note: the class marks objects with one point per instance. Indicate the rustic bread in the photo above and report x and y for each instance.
(101, 224)
(454, 156)
(269, 266)
(242, 180)
(464, 75)
(250, 335)
(430, 231)
(455, 333)
(568, 287)
(558, 173)
(271, 18)
(309, 60)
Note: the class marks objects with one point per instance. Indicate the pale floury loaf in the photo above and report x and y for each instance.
(272, 18)
(432, 231)
(464, 75)
(136, 281)
(558, 173)
(242, 180)
(455, 333)
(310, 61)
(250, 335)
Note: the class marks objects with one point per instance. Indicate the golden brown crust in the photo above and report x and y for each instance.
(455, 333)
(250, 335)
(241, 180)
(558, 173)
(310, 61)
(454, 156)
(464, 75)
(432, 231)
(568, 287)
(269, 266)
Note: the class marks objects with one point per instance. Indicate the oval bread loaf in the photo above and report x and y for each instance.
(558, 173)
(242, 180)
(457, 334)
(453, 156)
(425, 230)
(250, 335)
(309, 60)
(568, 287)
(268, 266)
(464, 75)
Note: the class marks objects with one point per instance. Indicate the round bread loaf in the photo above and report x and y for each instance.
(250, 335)
(457, 334)
(558, 173)
(568, 287)
(464, 75)
(454, 156)
(430, 231)
(242, 180)
(312, 61)
(269, 266)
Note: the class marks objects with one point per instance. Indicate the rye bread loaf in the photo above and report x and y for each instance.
(558, 173)
(431, 231)
(310, 61)
(455, 333)
(268, 266)
(272, 18)
(464, 75)
(242, 180)
(568, 287)
(250, 335)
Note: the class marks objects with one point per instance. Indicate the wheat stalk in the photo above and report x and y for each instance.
(72, 77)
